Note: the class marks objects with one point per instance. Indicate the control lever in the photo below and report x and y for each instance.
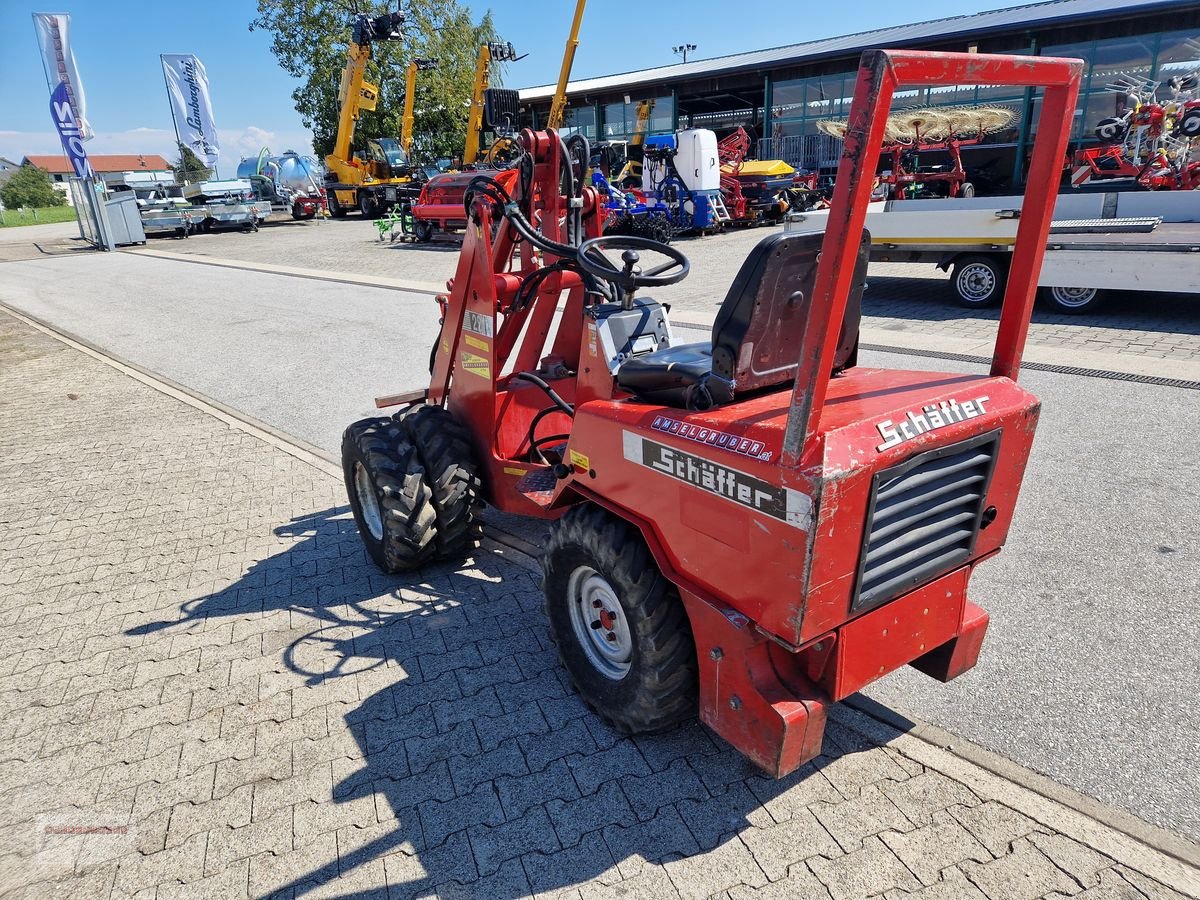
(630, 258)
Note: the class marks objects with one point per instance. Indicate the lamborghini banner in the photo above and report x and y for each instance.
(187, 88)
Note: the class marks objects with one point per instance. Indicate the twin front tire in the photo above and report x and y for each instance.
(413, 485)
(621, 629)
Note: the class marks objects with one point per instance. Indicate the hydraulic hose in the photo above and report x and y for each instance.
(550, 392)
(511, 211)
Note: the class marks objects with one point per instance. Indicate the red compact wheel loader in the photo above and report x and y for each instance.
(747, 529)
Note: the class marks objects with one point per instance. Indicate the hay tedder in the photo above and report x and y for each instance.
(749, 528)
(910, 133)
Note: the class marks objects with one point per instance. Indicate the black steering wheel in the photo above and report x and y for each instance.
(629, 276)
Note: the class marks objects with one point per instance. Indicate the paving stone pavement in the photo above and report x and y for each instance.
(208, 691)
(901, 297)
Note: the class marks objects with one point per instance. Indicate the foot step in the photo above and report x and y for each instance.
(538, 485)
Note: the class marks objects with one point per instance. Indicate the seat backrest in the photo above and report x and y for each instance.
(761, 325)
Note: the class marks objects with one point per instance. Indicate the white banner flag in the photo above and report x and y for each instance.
(53, 38)
(187, 88)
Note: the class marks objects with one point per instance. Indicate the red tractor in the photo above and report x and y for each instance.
(747, 529)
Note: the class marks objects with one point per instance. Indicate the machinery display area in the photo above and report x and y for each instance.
(712, 479)
(748, 529)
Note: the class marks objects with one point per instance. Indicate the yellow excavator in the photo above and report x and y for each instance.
(378, 179)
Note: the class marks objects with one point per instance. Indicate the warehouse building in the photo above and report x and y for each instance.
(780, 95)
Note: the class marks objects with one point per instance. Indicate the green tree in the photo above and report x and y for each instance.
(188, 168)
(310, 37)
(30, 186)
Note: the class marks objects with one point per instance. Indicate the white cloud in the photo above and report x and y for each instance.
(236, 143)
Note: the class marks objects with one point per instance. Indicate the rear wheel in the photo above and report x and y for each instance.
(389, 496)
(979, 280)
(368, 205)
(1073, 300)
(336, 210)
(621, 629)
(444, 448)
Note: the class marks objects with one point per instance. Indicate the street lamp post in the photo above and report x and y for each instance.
(684, 50)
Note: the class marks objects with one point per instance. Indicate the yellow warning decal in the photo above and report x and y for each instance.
(445, 347)
(580, 460)
(476, 365)
(509, 470)
(477, 343)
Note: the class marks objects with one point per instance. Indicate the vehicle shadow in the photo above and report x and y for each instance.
(489, 776)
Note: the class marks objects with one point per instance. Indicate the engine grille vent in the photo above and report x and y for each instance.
(923, 518)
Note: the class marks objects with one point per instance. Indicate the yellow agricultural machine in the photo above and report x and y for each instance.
(381, 177)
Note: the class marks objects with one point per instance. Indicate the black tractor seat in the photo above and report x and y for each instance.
(757, 334)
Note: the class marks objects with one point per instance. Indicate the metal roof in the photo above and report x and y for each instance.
(1016, 18)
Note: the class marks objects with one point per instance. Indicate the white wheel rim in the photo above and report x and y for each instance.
(368, 502)
(1073, 297)
(976, 282)
(599, 623)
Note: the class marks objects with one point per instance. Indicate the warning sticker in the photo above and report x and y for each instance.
(476, 365)
(477, 343)
(580, 460)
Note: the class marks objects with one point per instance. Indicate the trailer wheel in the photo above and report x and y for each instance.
(1073, 301)
(444, 448)
(979, 280)
(621, 629)
(389, 496)
(368, 205)
(423, 231)
(966, 190)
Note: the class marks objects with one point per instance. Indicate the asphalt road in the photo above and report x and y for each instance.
(1089, 674)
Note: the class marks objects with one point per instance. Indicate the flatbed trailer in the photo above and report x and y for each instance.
(1099, 242)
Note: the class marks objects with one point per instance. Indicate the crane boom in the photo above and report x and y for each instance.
(475, 117)
(558, 106)
(410, 91)
(355, 95)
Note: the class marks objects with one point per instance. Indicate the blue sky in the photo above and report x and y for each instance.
(117, 43)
